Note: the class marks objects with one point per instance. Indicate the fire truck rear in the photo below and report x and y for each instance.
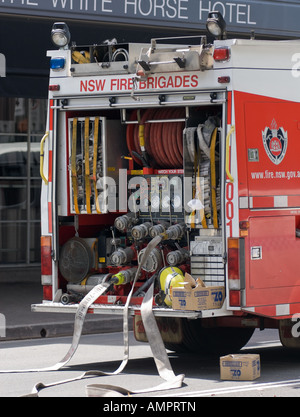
(195, 145)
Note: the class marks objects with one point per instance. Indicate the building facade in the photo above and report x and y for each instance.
(25, 27)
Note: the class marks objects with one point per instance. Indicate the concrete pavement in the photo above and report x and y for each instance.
(19, 288)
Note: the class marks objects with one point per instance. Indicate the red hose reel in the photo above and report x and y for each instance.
(163, 140)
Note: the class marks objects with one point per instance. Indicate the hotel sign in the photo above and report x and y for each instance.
(264, 17)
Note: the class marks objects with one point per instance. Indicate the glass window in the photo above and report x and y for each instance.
(22, 125)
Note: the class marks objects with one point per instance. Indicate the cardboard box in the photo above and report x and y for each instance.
(196, 297)
(240, 367)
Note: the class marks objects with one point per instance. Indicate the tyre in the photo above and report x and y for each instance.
(214, 340)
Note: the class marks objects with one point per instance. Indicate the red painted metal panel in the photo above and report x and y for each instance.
(274, 277)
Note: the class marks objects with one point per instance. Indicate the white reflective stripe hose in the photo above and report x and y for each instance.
(159, 354)
(153, 335)
(78, 324)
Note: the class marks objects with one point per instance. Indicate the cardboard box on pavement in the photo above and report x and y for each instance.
(240, 367)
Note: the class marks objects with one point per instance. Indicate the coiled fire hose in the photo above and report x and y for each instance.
(156, 344)
(156, 144)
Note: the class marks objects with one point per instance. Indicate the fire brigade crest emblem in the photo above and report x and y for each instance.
(275, 142)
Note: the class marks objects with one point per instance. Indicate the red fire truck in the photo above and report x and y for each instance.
(189, 141)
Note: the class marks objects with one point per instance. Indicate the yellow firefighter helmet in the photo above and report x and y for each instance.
(170, 277)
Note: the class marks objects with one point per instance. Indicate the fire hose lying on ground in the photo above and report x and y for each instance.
(157, 346)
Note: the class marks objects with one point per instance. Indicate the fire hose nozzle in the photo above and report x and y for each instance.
(141, 231)
(124, 222)
(158, 229)
(174, 232)
(122, 256)
(124, 277)
(177, 257)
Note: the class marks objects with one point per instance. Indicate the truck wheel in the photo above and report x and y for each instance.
(216, 340)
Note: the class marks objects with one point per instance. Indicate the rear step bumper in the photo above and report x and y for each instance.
(112, 309)
(132, 310)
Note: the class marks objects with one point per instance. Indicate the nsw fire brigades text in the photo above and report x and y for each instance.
(127, 84)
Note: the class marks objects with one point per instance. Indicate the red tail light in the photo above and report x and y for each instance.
(234, 281)
(46, 259)
(46, 267)
(54, 87)
(233, 263)
(224, 80)
(47, 292)
(222, 54)
(234, 298)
